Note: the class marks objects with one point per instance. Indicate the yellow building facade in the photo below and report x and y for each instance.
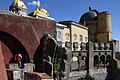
(74, 34)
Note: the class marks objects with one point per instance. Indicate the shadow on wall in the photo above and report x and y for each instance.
(14, 46)
(44, 55)
(113, 72)
(117, 55)
(47, 55)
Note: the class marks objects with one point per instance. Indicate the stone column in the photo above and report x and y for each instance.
(67, 65)
(113, 50)
(90, 57)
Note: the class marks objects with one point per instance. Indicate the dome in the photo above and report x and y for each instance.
(19, 4)
(18, 7)
(44, 12)
(90, 15)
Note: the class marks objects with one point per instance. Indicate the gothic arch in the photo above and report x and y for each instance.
(108, 57)
(83, 62)
(96, 61)
(83, 58)
(102, 60)
(14, 45)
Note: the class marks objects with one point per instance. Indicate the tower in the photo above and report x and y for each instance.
(89, 19)
(104, 27)
(18, 7)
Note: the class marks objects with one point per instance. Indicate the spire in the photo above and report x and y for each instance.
(90, 8)
(36, 6)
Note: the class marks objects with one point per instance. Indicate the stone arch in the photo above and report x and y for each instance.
(108, 57)
(96, 61)
(14, 45)
(83, 58)
(83, 62)
(102, 60)
(75, 63)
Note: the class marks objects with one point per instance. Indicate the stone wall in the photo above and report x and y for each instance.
(29, 67)
(21, 75)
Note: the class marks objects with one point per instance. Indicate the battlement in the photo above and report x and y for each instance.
(105, 12)
(91, 22)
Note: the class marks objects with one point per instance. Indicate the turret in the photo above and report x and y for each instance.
(18, 7)
(104, 27)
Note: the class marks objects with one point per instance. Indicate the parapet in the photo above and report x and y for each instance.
(102, 46)
(105, 12)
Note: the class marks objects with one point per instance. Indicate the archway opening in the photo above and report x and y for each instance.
(108, 57)
(83, 62)
(102, 61)
(13, 45)
(96, 61)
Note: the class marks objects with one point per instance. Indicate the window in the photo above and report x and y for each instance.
(67, 44)
(59, 34)
(67, 36)
(75, 46)
(75, 37)
(81, 38)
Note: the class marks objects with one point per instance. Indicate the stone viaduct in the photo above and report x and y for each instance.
(21, 34)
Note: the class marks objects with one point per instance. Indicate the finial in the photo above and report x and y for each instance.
(36, 6)
(90, 8)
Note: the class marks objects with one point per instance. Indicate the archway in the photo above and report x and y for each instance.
(108, 57)
(96, 61)
(83, 62)
(14, 46)
(75, 63)
(102, 61)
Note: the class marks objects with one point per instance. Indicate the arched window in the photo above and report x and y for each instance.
(96, 61)
(81, 38)
(102, 61)
(108, 57)
(75, 37)
(83, 58)
(67, 36)
(59, 34)
(74, 64)
(83, 62)
(75, 58)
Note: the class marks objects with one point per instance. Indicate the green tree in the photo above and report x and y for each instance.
(87, 77)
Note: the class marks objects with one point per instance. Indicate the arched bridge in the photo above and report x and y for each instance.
(22, 34)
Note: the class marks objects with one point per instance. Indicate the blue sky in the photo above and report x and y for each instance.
(73, 9)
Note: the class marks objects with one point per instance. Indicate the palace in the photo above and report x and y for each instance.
(76, 48)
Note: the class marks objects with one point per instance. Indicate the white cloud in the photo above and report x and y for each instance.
(36, 3)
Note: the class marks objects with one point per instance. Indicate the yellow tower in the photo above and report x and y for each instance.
(104, 27)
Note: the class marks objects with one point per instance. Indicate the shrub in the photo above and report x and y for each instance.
(87, 77)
